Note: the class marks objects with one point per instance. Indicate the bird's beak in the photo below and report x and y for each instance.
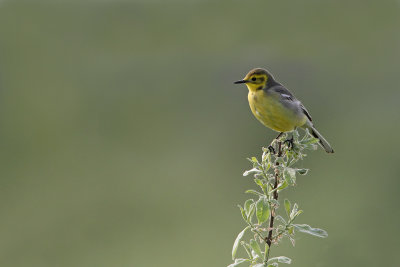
(241, 81)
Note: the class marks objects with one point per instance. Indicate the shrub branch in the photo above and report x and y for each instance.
(274, 173)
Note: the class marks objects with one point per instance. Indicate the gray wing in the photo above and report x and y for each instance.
(290, 100)
(306, 112)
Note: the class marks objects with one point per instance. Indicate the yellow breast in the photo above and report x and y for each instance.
(272, 113)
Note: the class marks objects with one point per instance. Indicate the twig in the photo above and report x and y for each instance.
(268, 239)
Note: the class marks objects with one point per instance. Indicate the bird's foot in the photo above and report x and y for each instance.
(289, 143)
(271, 149)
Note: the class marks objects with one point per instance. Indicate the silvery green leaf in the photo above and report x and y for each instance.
(267, 166)
(237, 262)
(243, 213)
(247, 206)
(305, 228)
(311, 146)
(283, 185)
(259, 265)
(291, 172)
(292, 241)
(297, 214)
(264, 154)
(290, 175)
(259, 182)
(281, 259)
(254, 170)
(256, 248)
(262, 210)
(254, 255)
(302, 171)
(307, 135)
(280, 218)
(274, 264)
(237, 242)
(287, 206)
(251, 211)
(294, 211)
(251, 191)
(291, 230)
(311, 140)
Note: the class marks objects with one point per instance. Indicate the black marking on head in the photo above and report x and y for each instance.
(259, 88)
(258, 71)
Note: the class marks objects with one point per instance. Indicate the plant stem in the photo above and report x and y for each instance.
(268, 239)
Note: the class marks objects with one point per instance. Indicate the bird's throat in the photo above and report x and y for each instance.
(254, 87)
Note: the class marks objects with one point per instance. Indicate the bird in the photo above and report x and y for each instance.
(276, 107)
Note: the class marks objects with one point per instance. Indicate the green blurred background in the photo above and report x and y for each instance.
(123, 139)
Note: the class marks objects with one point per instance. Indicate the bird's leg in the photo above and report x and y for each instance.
(279, 135)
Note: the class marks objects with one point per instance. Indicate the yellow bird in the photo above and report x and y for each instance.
(276, 107)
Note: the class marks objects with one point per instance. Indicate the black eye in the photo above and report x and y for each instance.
(254, 79)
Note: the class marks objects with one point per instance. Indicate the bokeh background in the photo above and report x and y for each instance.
(123, 139)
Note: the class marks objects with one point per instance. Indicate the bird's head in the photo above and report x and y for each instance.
(256, 79)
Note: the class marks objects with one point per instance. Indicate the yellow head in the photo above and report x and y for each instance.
(257, 79)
